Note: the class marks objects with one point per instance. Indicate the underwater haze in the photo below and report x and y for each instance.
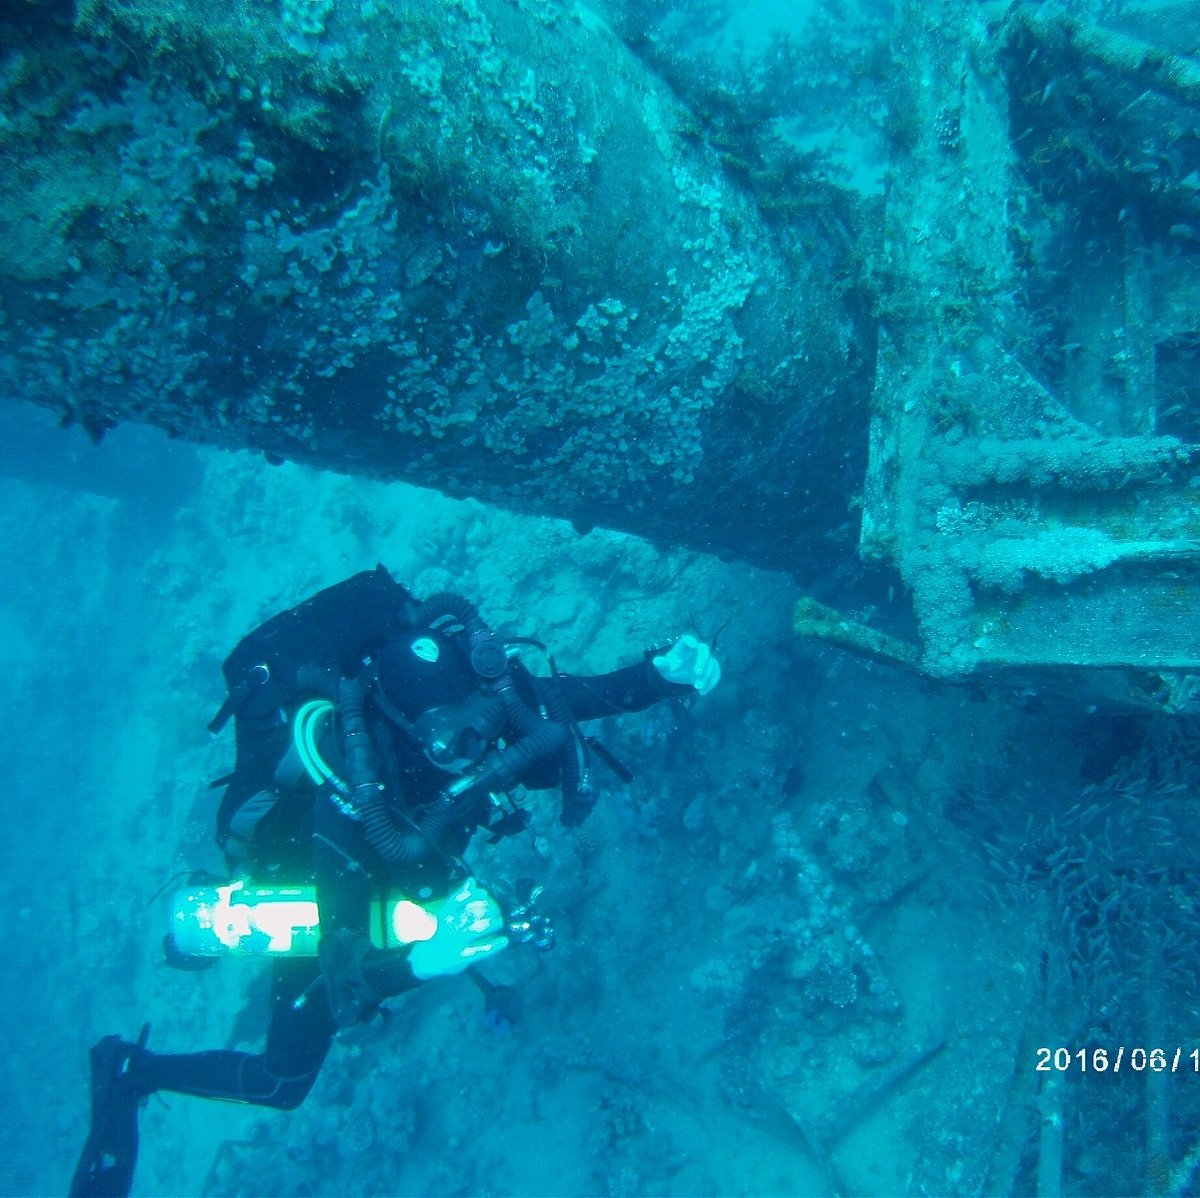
(874, 922)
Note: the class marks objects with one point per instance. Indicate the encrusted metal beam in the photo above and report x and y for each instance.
(473, 245)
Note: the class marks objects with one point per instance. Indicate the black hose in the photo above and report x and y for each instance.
(319, 680)
(462, 803)
(530, 739)
(422, 838)
(364, 771)
(363, 767)
(504, 768)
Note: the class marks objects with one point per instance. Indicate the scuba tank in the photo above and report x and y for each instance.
(245, 919)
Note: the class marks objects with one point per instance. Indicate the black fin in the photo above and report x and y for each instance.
(109, 1155)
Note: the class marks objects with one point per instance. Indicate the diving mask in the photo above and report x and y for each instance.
(455, 736)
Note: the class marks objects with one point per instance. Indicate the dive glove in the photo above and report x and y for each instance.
(470, 926)
(689, 662)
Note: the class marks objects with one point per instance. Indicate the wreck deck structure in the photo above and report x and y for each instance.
(486, 247)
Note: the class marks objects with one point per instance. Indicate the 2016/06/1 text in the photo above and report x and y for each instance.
(1105, 1060)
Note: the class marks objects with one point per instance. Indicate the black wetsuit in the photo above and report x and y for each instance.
(313, 837)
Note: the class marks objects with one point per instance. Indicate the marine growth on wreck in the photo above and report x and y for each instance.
(858, 337)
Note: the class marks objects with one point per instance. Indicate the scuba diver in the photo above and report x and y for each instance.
(375, 735)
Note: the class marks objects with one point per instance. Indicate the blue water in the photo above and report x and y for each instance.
(848, 931)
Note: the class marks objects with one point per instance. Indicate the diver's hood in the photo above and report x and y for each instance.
(426, 686)
(422, 668)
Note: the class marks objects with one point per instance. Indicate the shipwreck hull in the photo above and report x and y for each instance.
(486, 248)
(458, 244)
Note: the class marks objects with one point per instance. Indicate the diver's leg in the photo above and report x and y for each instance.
(301, 1030)
(298, 1039)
